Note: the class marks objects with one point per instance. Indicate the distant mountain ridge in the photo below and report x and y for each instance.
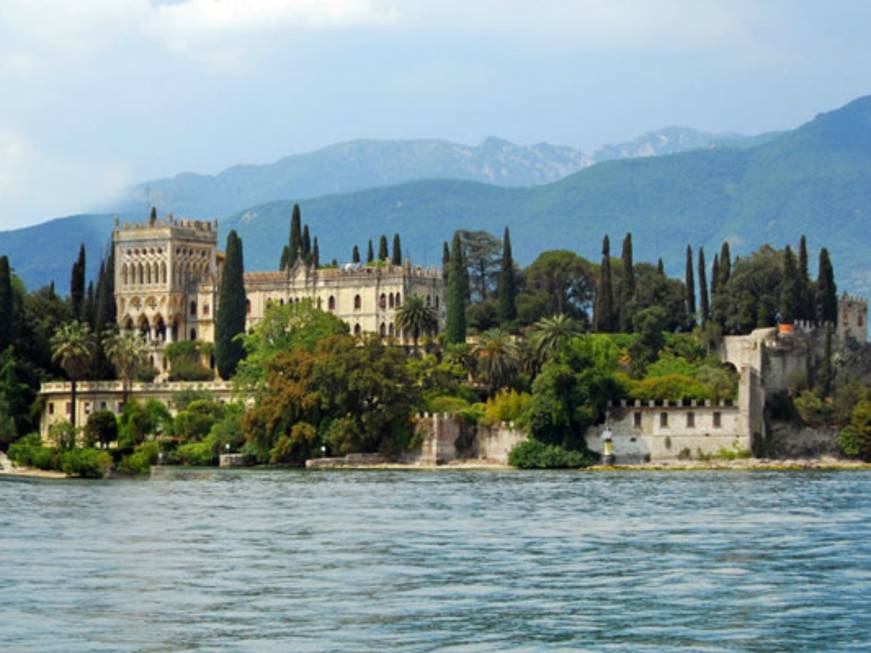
(363, 164)
(815, 180)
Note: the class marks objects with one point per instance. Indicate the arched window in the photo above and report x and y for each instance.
(357, 330)
(193, 312)
(124, 274)
(193, 334)
(437, 301)
(248, 306)
(392, 329)
(428, 300)
(163, 273)
(141, 274)
(358, 303)
(147, 274)
(382, 301)
(398, 300)
(331, 303)
(156, 274)
(382, 330)
(391, 300)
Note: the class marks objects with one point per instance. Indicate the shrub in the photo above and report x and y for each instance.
(184, 398)
(812, 409)
(87, 463)
(506, 406)
(446, 404)
(63, 434)
(102, 427)
(533, 454)
(855, 439)
(673, 387)
(141, 460)
(195, 422)
(196, 454)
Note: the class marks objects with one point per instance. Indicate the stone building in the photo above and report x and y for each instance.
(167, 274)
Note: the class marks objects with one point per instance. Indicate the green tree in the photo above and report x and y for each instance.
(805, 287)
(127, 351)
(396, 257)
(604, 310)
(316, 255)
(790, 289)
(455, 331)
(507, 283)
(825, 373)
(705, 306)
(725, 265)
(416, 318)
(73, 347)
(550, 335)
(383, 253)
(306, 245)
(496, 360)
(7, 317)
(855, 438)
(627, 285)
(77, 284)
(355, 255)
(751, 297)
(446, 260)
(370, 252)
(231, 312)
(690, 285)
(102, 428)
(285, 258)
(558, 282)
(295, 239)
(649, 324)
(481, 255)
(826, 291)
(660, 267)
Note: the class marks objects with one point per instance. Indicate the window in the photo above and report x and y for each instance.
(691, 420)
(102, 405)
(357, 330)
(860, 320)
(436, 301)
(382, 329)
(193, 334)
(331, 303)
(391, 300)
(382, 301)
(248, 307)
(87, 408)
(194, 309)
(51, 408)
(69, 408)
(718, 419)
(358, 302)
(398, 300)
(636, 420)
(663, 419)
(205, 309)
(428, 300)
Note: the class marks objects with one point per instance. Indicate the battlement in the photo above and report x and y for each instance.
(209, 227)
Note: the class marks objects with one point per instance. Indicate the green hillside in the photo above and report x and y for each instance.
(814, 180)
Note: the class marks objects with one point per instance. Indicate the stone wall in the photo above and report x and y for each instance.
(446, 438)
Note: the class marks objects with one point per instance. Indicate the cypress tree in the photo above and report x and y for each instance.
(604, 306)
(507, 283)
(90, 305)
(306, 247)
(690, 287)
(446, 261)
(715, 278)
(455, 330)
(627, 287)
(316, 255)
(370, 253)
(805, 289)
(660, 267)
(383, 254)
(705, 306)
(725, 266)
(152, 216)
(295, 242)
(355, 255)
(7, 319)
(230, 316)
(789, 288)
(396, 259)
(77, 284)
(825, 373)
(335, 263)
(826, 291)
(285, 258)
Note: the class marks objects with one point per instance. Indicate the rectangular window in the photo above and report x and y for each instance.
(51, 408)
(87, 408)
(663, 419)
(102, 405)
(69, 408)
(636, 420)
(717, 420)
(205, 309)
(691, 419)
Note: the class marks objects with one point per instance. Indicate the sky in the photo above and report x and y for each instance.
(100, 94)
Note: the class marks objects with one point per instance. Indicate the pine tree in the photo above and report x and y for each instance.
(826, 291)
(455, 330)
(790, 301)
(604, 305)
(370, 253)
(77, 284)
(805, 288)
(690, 287)
(705, 306)
(355, 255)
(383, 254)
(396, 258)
(316, 255)
(295, 241)
(7, 318)
(660, 268)
(627, 286)
(725, 266)
(507, 283)
(306, 247)
(230, 316)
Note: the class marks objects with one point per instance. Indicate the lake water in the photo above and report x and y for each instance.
(268, 560)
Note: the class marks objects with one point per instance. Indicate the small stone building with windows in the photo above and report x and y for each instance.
(167, 274)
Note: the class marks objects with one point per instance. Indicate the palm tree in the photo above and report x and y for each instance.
(73, 347)
(497, 359)
(126, 350)
(550, 334)
(415, 317)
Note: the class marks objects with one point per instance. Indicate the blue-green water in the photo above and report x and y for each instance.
(459, 561)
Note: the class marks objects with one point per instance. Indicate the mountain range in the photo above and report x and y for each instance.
(815, 180)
